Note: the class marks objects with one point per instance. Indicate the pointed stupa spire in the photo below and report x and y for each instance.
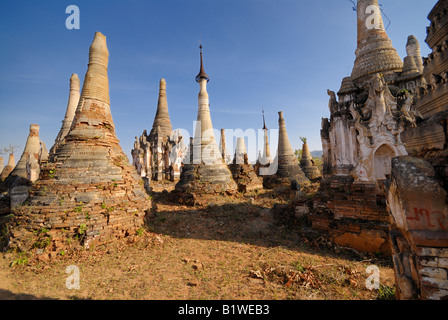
(162, 123)
(30, 152)
(375, 52)
(202, 74)
(264, 122)
(266, 156)
(73, 101)
(413, 63)
(309, 168)
(2, 164)
(93, 119)
(289, 171)
(206, 148)
(90, 171)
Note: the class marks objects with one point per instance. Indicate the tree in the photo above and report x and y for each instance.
(8, 150)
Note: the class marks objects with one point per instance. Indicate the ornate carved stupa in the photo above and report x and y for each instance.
(72, 104)
(89, 194)
(158, 156)
(418, 185)
(208, 173)
(289, 172)
(375, 53)
(368, 114)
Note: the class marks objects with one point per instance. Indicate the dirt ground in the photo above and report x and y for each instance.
(235, 248)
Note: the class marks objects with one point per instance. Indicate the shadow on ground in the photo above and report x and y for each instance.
(264, 222)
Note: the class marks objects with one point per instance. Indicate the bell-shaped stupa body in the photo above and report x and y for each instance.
(29, 161)
(289, 172)
(375, 53)
(162, 123)
(208, 172)
(90, 192)
(413, 62)
(8, 168)
(308, 166)
(73, 101)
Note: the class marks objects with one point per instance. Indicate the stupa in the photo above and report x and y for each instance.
(242, 171)
(289, 172)
(73, 101)
(8, 168)
(208, 173)
(89, 194)
(309, 167)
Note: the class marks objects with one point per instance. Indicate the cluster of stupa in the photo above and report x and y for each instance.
(385, 181)
(203, 167)
(84, 192)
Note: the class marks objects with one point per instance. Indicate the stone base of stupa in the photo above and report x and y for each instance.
(197, 180)
(245, 177)
(312, 173)
(289, 176)
(67, 210)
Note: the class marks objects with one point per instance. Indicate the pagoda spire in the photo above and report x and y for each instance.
(162, 123)
(374, 52)
(202, 74)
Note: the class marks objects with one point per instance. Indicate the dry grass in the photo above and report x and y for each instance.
(235, 248)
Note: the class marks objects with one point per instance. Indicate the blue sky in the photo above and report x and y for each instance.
(280, 55)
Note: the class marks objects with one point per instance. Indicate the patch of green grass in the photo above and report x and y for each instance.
(386, 293)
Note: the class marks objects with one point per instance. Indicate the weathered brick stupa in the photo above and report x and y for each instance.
(8, 168)
(373, 107)
(90, 194)
(2, 164)
(242, 171)
(73, 101)
(375, 52)
(208, 173)
(27, 169)
(289, 172)
(312, 172)
(418, 185)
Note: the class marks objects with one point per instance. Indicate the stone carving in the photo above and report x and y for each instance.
(375, 52)
(152, 155)
(418, 186)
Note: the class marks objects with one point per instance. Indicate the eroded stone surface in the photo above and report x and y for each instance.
(89, 194)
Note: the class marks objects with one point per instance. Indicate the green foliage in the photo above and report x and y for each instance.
(21, 261)
(139, 232)
(386, 293)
